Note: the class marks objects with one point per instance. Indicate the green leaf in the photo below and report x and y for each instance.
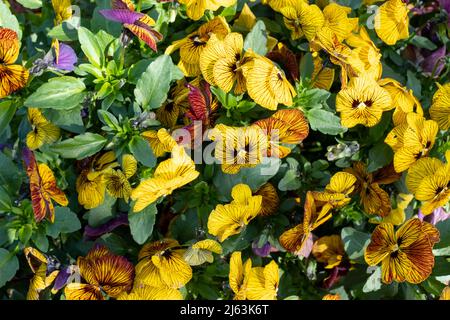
(306, 66)
(8, 20)
(79, 147)
(104, 212)
(254, 177)
(69, 120)
(141, 150)
(9, 264)
(39, 238)
(373, 283)
(58, 93)
(10, 177)
(154, 84)
(65, 31)
(5, 200)
(108, 119)
(324, 121)
(355, 242)
(414, 84)
(290, 181)
(25, 233)
(444, 230)
(7, 111)
(380, 155)
(66, 221)
(31, 4)
(141, 223)
(256, 39)
(91, 47)
(423, 42)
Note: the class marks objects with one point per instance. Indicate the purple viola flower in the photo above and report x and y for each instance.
(91, 233)
(436, 216)
(433, 63)
(263, 251)
(66, 59)
(63, 277)
(307, 247)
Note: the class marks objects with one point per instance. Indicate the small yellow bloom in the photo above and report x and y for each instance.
(201, 252)
(160, 141)
(192, 46)
(263, 282)
(227, 220)
(116, 181)
(266, 83)
(42, 130)
(90, 184)
(170, 174)
(412, 141)
(303, 20)
(440, 107)
(362, 102)
(161, 265)
(144, 292)
(195, 9)
(429, 180)
(392, 21)
(239, 275)
(329, 250)
(238, 147)
(337, 20)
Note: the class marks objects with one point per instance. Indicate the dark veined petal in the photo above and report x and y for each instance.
(382, 241)
(121, 15)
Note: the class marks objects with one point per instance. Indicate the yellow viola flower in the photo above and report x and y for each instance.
(332, 297)
(144, 292)
(322, 76)
(238, 147)
(405, 254)
(336, 193)
(221, 63)
(13, 76)
(329, 250)
(337, 20)
(170, 174)
(303, 19)
(440, 107)
(176, 105)
(339, 53)
(403, 100)
(392, 21)
(116, 181)
(42, 130)
(294, 239)
(239, 275)
(263, 282)
(160, 141)
(429, 179)
(63, 10)
(90, 184)
(44, 269)
(445, 295)
(227, 220)
(104, 273)
(161, 265)
(195, 9)
(397, 215)
(362, 102)
(412, 141)
(246, 20)
(365, 58)
(201, 252)
(270, 200)
(277, 5)
(374, 199)
(266, 83)
(192, 46)
(288, 126)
